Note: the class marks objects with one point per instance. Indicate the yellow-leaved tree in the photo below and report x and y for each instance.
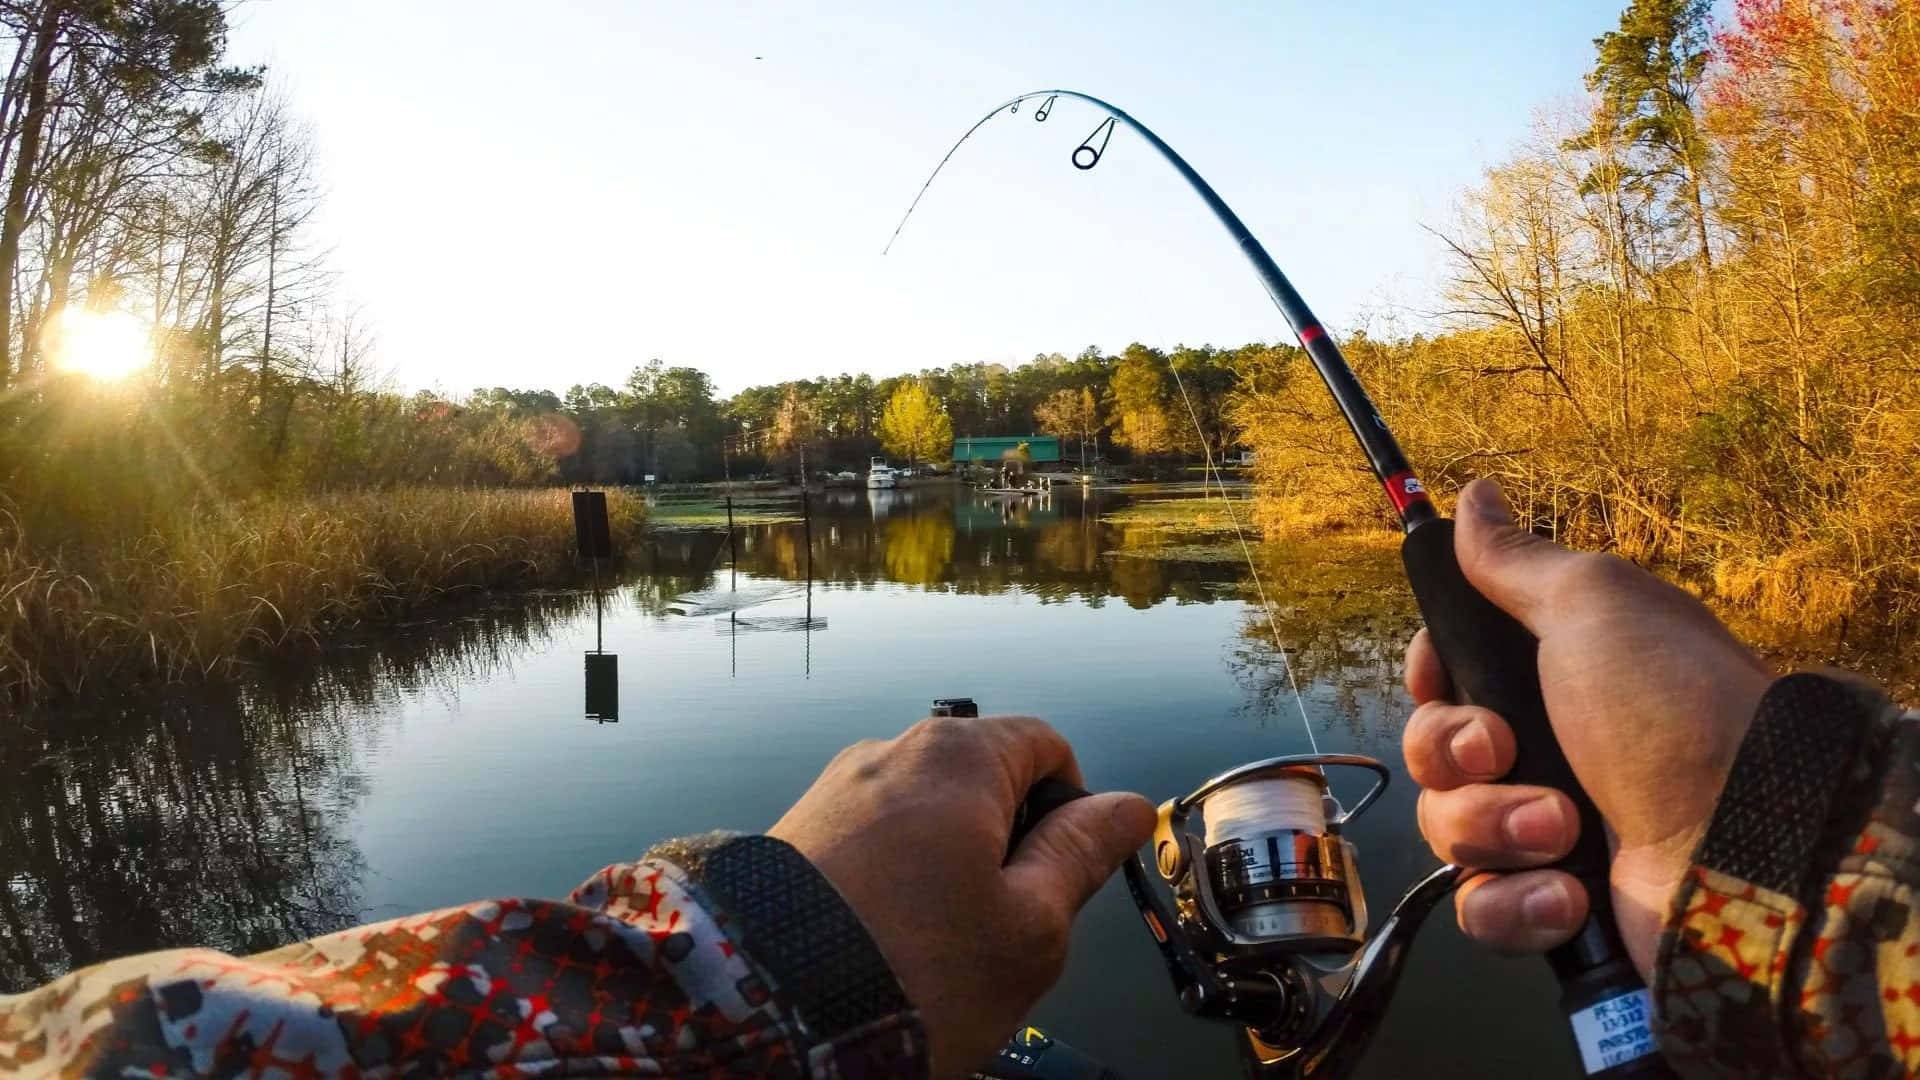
(915, 425)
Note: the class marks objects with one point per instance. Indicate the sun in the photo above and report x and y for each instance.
(103, 344)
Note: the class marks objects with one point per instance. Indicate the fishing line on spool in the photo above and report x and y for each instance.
(1257, 806)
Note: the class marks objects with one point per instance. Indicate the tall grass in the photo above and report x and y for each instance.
(196, 591)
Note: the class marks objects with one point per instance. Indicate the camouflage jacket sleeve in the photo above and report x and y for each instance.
(1792, 948)
(721, 956)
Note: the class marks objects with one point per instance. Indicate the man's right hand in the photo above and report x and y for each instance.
(1649, 696)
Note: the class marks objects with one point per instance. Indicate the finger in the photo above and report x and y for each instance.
(1498, 826)
(1075, 849)
(1525, 912)
(1426, 678)
(1448, 746)
(1029, 750)
(1509, 565)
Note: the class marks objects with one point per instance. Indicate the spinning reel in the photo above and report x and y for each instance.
(1268, 922)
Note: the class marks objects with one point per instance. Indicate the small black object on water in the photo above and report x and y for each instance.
(954, 706)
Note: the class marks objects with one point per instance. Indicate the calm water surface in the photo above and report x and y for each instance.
(453, 759)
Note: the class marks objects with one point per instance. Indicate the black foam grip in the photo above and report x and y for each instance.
(1043, 798)
(1493, 662)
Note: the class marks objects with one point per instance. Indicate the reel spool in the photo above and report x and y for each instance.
(1268, 926)
(1273, 873)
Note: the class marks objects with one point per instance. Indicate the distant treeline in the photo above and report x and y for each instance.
(667, 421)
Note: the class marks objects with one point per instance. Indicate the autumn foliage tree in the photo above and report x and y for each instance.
(1685, 322)
(1071, 414)
(1139, 398)
(915, 425)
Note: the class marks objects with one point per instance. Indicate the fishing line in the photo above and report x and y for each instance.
(1273, 620)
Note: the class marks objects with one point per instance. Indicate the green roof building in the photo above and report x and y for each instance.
(1041, 449)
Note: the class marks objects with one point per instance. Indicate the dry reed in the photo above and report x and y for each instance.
(198, 591)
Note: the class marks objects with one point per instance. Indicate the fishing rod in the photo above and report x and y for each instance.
(1268, 926)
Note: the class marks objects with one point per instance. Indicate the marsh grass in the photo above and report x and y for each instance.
(1200, 513)
(195, 592)
(709, 513)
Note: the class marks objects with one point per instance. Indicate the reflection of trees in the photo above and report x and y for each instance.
(671, 564)
(205, 825)
(919, 548)
(215, 818)
(1057, 548)
(1344, 612)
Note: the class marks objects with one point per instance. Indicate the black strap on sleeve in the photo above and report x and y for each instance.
(795, 924)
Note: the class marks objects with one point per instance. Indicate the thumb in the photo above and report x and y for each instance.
(1509, 565)
(1075, 849)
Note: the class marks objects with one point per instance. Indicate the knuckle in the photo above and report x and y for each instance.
(863, 760)
(1449, 831)
(1599, 574)
(1418, 744)
(1493, 547)
(939, 729)
(865, 748)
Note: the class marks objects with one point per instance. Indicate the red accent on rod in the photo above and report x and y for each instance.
(1405, 489)
(1312, 334)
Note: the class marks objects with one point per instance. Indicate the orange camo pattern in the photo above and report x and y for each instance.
(631, 976)
(1752, 983)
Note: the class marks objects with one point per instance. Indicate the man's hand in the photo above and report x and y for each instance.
(912, 832)
(1649, 696)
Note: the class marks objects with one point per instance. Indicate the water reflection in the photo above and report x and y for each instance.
(216, 817)
(1061, 546)
(1341, 617)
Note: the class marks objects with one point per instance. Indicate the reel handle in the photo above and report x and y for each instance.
(1493, 662)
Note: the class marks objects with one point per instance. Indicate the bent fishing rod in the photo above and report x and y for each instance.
(1267, 928)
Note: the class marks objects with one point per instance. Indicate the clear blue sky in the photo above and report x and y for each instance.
(550, 193)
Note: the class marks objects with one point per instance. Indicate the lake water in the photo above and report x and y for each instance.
(453, 759)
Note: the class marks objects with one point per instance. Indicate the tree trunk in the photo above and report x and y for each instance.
(33, 122)
(1700, 221)
(266, 334)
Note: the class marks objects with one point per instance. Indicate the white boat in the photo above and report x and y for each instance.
(881, 475)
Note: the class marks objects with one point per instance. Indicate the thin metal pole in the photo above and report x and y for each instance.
(806, 519)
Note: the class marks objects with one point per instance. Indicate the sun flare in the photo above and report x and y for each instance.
(103, 344)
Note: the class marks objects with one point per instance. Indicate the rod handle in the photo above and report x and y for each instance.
(1493, 662)
(1043, 798)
